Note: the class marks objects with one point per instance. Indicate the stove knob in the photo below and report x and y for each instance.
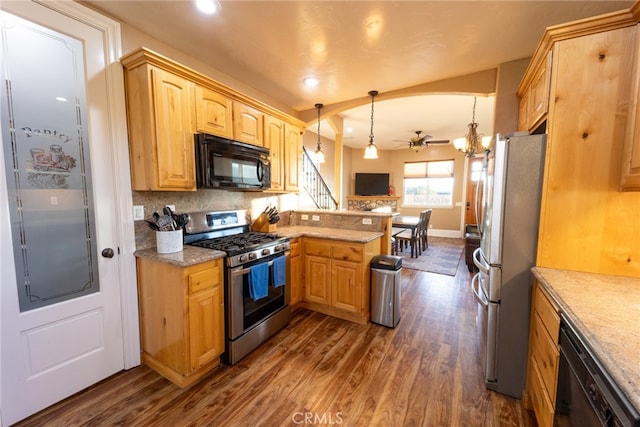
(278, 248)
(266, 251)
(242, 258)
(252, 255)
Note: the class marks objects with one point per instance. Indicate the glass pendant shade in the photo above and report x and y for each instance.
(371, 151)
(472, 141)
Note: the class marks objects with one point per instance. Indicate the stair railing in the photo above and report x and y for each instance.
(315, 186)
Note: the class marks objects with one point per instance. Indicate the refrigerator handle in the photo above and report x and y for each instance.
(477, 260)
(475, 287)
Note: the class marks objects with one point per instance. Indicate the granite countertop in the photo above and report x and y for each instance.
(606, 311)
(357, 236)
(190, 255)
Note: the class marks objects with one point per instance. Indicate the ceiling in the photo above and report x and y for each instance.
(353, 47)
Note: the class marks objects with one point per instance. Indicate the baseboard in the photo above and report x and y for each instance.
(445, 233)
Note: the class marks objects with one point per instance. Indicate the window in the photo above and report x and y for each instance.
(428, 183)
(476, 169)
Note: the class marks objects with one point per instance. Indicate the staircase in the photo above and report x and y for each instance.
(315, 186)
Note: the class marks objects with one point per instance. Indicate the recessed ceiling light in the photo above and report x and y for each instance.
(311, 82)
(349, 129)
(208, 6)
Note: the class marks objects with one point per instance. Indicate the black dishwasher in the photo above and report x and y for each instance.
(586, 394)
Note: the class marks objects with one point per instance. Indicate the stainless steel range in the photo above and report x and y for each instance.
(256, 296)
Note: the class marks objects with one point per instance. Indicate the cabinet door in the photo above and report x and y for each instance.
(206, 326)
(631, 153)
(539, 95)
(247, 124)
(296, 279)
(214, 113)
(346, 285)
(173, 110)
(274, 141)
(317, 279)
(293, 158)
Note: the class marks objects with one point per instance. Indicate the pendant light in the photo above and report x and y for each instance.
(473, 140)
(319, 155)
(371, 152)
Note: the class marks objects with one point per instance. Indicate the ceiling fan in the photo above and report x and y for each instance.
(418, 142)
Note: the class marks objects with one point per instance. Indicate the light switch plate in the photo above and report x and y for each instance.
(172, 207)
(138, 213)
(315, 218)
(366, 221)
(304, 217)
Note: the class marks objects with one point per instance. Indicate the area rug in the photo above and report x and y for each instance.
(441, 257)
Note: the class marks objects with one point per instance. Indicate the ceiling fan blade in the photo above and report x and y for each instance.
(438, 141)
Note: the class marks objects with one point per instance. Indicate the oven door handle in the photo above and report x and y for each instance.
(246, 270)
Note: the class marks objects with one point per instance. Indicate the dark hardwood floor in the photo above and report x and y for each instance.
(325, 371)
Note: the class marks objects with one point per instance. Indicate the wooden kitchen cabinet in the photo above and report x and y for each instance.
(586, 222)
(534, 96)
(544, 357)
(630, 179)
(293, 157)
(274, 140)
(337, 277)
(161, 127)
(181, 318)
(214, 113)
(248, 124)
(296, 271)
(167, 103)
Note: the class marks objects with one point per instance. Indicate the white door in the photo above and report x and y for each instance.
(61, 310)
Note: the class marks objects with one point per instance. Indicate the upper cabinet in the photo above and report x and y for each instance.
(214, 113)
(586, 222)
(630, 180)
(168, 103)
(293, 156)
(248, 124)
(534, 93)
(161, 127)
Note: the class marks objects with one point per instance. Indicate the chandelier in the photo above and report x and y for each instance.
(319, 155)
(473, 140)
(371, 151)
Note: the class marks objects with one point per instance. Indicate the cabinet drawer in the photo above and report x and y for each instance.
(542, 406)
(546, 355)
(548, 314)
(295, 247)
(317, 248)
(347, 252)
(206, 276)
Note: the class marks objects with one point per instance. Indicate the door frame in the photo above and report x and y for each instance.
(118, 142)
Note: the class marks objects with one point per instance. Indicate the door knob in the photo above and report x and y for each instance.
(108, 253)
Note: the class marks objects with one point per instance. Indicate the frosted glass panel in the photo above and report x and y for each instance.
(46, 155)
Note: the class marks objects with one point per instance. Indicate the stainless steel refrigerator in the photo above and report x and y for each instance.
(511, 187)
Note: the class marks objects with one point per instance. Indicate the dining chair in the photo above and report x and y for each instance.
(423, 228)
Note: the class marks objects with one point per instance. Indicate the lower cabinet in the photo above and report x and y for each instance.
(181, 318)
(295, 271)
(337, 277)
(544, 357)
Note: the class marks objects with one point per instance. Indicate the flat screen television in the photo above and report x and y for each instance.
(372, 184)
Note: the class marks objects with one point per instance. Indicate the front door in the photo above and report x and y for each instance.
(474, 169)
(61, 297)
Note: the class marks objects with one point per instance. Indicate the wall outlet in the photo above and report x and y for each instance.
(315, 218)
(304, 217)
(138, 213)
(366, 221)
(172, 207)
(430, 225)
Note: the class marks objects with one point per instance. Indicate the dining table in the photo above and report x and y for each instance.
(400, 223)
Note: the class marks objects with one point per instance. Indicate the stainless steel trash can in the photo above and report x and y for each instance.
(386, 273)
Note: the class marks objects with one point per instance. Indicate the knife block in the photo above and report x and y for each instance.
(262, 224)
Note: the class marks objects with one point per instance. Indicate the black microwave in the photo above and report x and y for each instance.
(227, 164)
